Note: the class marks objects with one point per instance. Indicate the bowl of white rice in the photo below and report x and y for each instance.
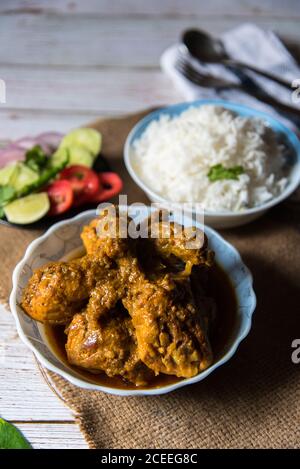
(233, 161)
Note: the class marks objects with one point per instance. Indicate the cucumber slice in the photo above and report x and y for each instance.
(23, 176)
(7, 173)
(80, 155)
(59, 157)
(90, 139)
(27, 209)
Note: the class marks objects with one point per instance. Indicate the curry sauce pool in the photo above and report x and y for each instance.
(218, 287)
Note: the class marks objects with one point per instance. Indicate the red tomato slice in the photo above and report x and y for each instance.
(60, 194)
(110, 185)
(84, 182)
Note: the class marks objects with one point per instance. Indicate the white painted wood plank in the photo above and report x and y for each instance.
(153, 7)
(86, 90)
(42, 100)
(53, 436)
(94, 41)
(24, 395)
(17, 123)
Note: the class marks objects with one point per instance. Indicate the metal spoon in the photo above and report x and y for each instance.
(207, 49)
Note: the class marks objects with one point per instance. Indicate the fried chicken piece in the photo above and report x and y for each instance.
(170, 333)
(165, 331)
(107, 235)
(172, 242)
(103, 337)
(103, 299)
(58, 290)
(112, 334)
(109, 346)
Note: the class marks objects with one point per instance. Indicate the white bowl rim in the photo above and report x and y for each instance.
(290, 188)
(116, 391)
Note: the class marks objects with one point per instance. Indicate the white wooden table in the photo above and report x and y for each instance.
(65, 62)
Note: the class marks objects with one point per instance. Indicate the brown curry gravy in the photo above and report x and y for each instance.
(220, 288)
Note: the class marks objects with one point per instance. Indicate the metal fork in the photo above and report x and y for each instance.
(247, 85)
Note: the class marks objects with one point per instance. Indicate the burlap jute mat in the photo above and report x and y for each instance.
(252, 401)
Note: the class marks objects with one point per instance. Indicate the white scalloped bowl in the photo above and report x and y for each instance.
(64, 237)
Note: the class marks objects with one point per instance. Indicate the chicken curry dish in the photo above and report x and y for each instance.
(132, 308)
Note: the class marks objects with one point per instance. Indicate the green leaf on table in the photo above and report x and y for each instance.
(11, 437)
(218, 172)
(36, 159)
(6, 194)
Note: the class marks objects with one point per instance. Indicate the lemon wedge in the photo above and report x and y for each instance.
(27, 209)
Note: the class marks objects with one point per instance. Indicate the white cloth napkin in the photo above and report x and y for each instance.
(247, 43)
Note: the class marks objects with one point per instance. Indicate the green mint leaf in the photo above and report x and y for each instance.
(218, 172)
(7, 193)
(36, 159)
(11, 437)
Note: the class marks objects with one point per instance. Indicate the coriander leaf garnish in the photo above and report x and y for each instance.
(7, 193)
(48, 173)
(36, 158)
(218, 172)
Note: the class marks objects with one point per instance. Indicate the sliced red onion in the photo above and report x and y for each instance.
(11, 153)
(29, 142)
(11, 146)
(26, 142)
(52, 139)
(16, 150)
(4, 143)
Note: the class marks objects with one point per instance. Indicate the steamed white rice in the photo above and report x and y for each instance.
(174, 155)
